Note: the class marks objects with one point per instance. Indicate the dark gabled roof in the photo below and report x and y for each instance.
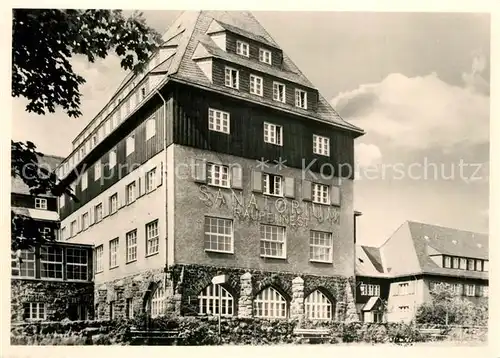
(373, 254)
(253, 29)
(369, 262)
(49, 162)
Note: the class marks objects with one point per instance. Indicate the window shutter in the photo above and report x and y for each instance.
(290, 187)
(200, 171)
(236, 177)
(79, 223)
(334, 195)
(306, 190)
(91, 215)
(257, 181)
(159, 174)
(139, 187)
(142, 184)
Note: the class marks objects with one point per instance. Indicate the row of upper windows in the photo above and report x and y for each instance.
(459, 289)
(369, 290)
(220, 121)
(243, 49)
(232, 79)
(463, 263)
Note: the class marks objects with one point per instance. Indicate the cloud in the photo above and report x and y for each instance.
(418, 112)
(367, 154)
(475, 80)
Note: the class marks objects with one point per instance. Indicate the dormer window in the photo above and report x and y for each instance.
(242, 48)
(41, 203)
(232, 78)
(300, 99)
(265, 56)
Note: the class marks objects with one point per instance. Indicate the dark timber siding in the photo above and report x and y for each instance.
(28, 201)
(276, 54)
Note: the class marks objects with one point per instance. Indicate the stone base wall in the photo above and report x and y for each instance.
(60, 298)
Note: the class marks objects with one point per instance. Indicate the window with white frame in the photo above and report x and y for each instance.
(231, 78)
(479, 265)
(85, 221)
(35, 311)
(457, 288)
(76, 264)
(51, 261)
(97, 170)
(272, 241)
(256, 85)
(218, 121)
(72, 228)
(157, 301)
(218, 175)
(320, 246)
(301, 99)
(403, 288)
(99, 255)
(113, 253)
(463, 263)
(94, 141)
(279, 92)
(113, 203)
(321, 145)
(273, 133)
(318, 307)
(242, 48)
(470, 264)
(447, 262)
(85, 181)
(320, 193)
(112, 158)
(24, 265)
(272, 184)
(269, 303)
(486, 265)
(130, 192)
(151, 180)
(404, 309)
(369, 290)
(470, 290)
(131, 241)
(98, 212)
(212, 297)
(130, 145)
(41, 203)
(150, 128)
(218, 234)
(152, 238)
(455, 262)
(265, 56)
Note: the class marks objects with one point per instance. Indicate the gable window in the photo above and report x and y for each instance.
(34, 311)
(269, 303)
(273, 133)
(218, 121)
(320, 193)
(321, 145)
(112, 158)
(150, 128)
(51, 260)
(300, 99)
(152, 238)
(72, 228)
(130, 145)
(218, 234)
(113, 253)
(272, 184)
(317, 306)
(470, 290)
(279, 92)
(24, 266)
(98, 212)
(218, 175)
(131, 243)
(447, 262)
(85, 221)
(113, 203)
(256, 85)
(130, 192)
(151, 180)
(231, 78)
(265, 56)
(214, 296)
(99, 254)
(41, 203)
(76, 264)
(97, 170)
(320, 246)
(272, 241)
(242, 48)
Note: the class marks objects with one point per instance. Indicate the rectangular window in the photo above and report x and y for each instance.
(130, 308)
(98, 212)
(150, 128)
(113, 253)
(151, 180)
(272, 241)
(99, 254)
(256, 85)
(94, 141)
(218, 175)
(85, 221)
(41, 203)
(279, 92)
(131, 246)
(76, 264)
(72, 228)
(447, 261)
(485, 292)
(463, 263)
(320, 193)
(152, 238)
(113, 203)
(218, 121)
(403, 288)
(273, 133)
(24, 266)
(404, 308)
(265, 56)
(35, 311)
(64, 233)
(486, 265)
(130, 192)
(242, 48)
(470, 264)
(455, 263)
(470, 290)
(369, 290)
(320, 246)
(112, 158)
(272, 184)
(85, 181)
(130, 145)
(232, 78)
(97, 170)
(218, 234)
(479, 265)
(456, 288)
(321, 145)
(51, 260)
(300, 99)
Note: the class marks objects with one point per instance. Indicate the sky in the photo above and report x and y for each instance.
(417, 83)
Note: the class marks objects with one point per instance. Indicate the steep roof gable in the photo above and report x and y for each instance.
(49, 162)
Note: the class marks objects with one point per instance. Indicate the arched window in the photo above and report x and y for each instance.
(318, 306)
(269, 303)
(156, 301)
(209, 301)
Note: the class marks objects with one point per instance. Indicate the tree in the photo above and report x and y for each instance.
(43, 42)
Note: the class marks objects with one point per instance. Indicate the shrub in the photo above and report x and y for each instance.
(402, 333)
